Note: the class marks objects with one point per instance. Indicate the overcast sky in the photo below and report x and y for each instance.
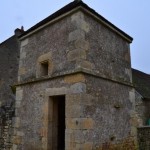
(131, 16)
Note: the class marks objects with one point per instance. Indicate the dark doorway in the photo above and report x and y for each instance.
(58, 129)
(61, 123)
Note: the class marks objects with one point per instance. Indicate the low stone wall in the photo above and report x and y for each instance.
(6, 114)
(144, 138)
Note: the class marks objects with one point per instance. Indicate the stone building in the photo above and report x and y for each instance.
(141, 83)
(74, 88)
(9, 63)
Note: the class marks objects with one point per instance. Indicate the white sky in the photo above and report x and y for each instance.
(131, 16)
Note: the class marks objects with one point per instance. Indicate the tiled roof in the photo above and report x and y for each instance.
(141, 82)
(70, 7)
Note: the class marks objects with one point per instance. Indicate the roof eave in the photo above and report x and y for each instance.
(87, 10)
(28, 33)
(109, 25)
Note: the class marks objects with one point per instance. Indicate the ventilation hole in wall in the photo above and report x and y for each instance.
(44, 68)
(77, 122)
(112, 138)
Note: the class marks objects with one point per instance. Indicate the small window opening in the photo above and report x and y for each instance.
(44, 68)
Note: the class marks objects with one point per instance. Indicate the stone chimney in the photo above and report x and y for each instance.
(18, 31)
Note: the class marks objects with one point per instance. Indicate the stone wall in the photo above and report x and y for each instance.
(143, 138)
(6, 130)
(9, 63)
(93, 115)
(78, 47)
(52, 42)
(112, 110)
(32, 132)
(109, 52)
(142, 109)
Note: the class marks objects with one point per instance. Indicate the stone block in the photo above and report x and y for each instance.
(87, 146)
(44, 142)
(78, 146)
(56, 91)
(16, 122)
(132, 96)
(78, 20)
(83, 44)
(14, 147)
(19, 95)
(70, 145)
(74, 78)
(80, 100)
(14, 130)
(24, 42)
(76, 54)
(87, 123)
(127, 55)
(79, 136)
(16, 140)
(19, 78)
(129, 73)
(85, 26)
(73, 99)
(19, 133)
(78, 88)
(47, 110)
(75, 88)
(76, 35)
(87, 99)
(77, 16)
(69, 136)
(18, 88)
(74, 111)
(85, 64)
(22, 55)
(44, 57)
(134, 131)
(73, 123)
(44, 132)
(22, 71)
(18, 104)
(79, 123)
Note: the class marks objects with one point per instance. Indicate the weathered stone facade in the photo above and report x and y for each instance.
(99, 98)
(74, 89)
(9, 63)
(142, 104)
(9, 53)
(143, 137)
